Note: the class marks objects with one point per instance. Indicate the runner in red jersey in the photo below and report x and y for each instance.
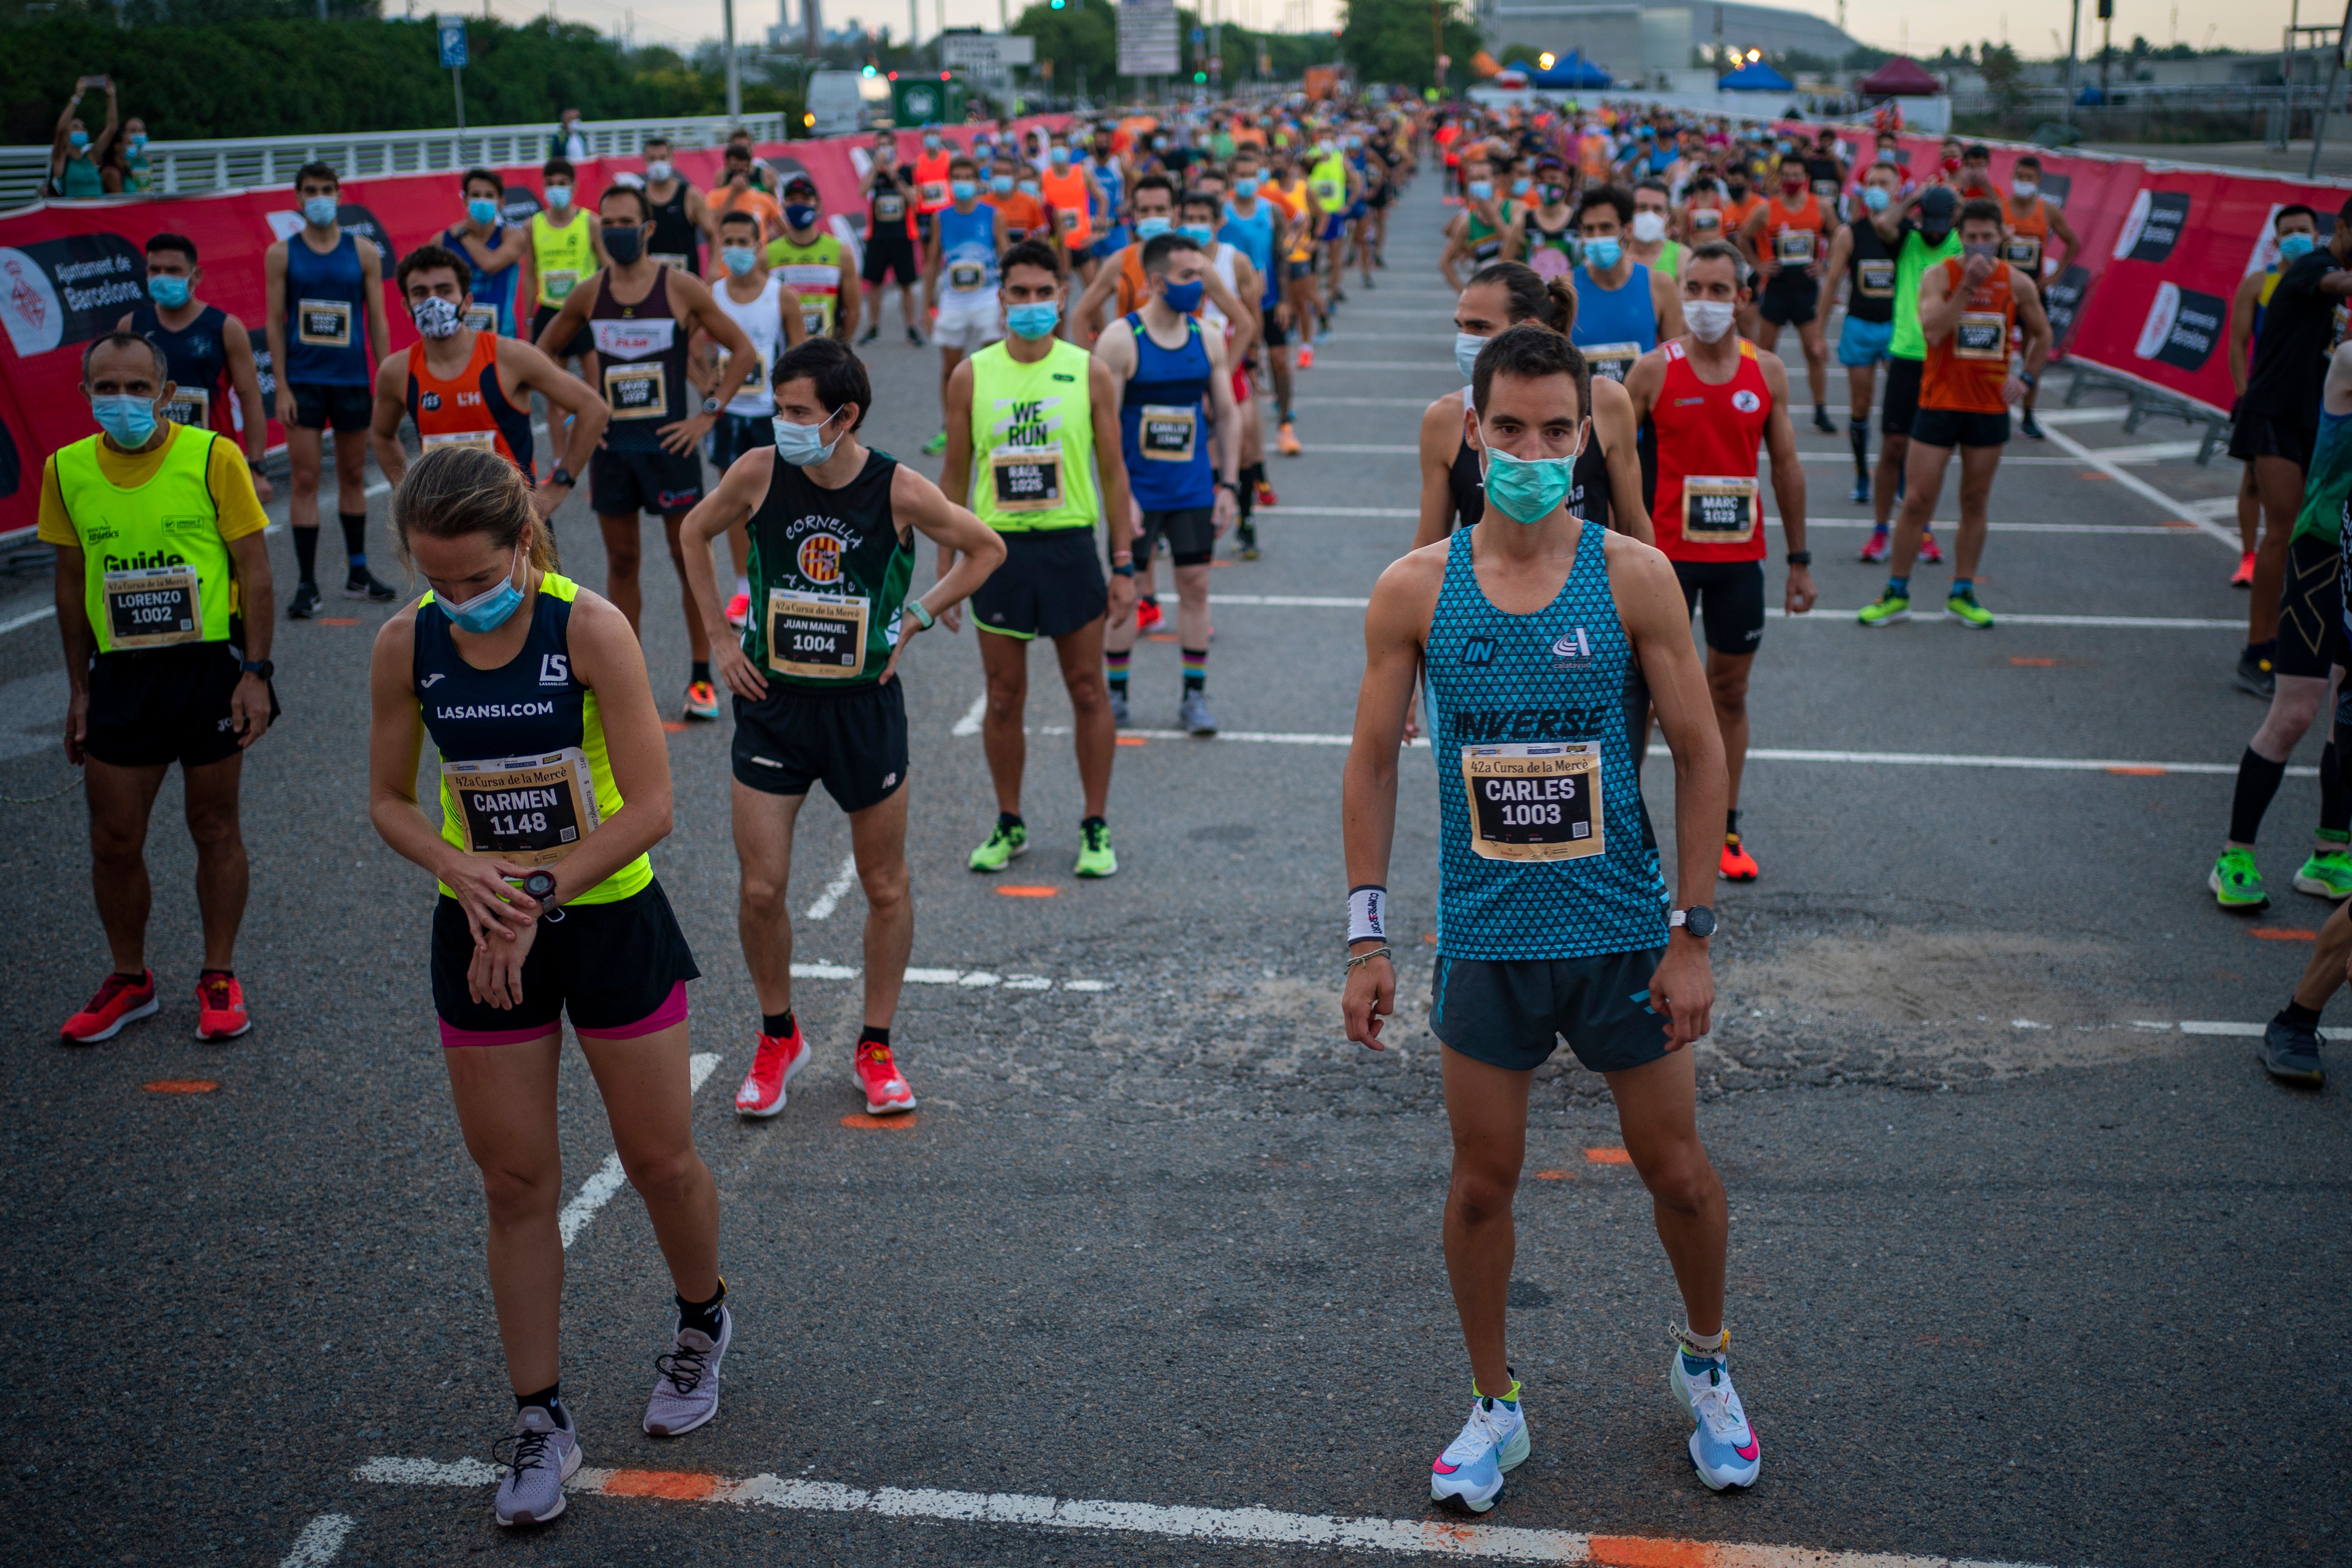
(1710, 400)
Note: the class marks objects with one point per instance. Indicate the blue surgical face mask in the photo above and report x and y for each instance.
(1875, 197)
(1245, 187)
(1184, 298)
(1033, 321)
(1058, 156)
(1522, 185)
(139, 142)
(1200, 233)
(802, 446)
(2293, 245)
(318, 211)
(963, 190)
(1029, 187)
(739, 260)
(1529, 490)
(931, 142)
(1481, 189)
(1466, 347)
(1000, 183)
(1150, 227)
(173, 292)
(558, 196)
(77, 140)
(130, 420)
(1603, 253)
(481, 209)
(488, 610)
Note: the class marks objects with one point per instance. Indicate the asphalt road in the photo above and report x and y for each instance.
(2021, 1269)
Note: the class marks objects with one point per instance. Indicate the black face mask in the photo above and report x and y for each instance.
(1933, 233)
(624, 244)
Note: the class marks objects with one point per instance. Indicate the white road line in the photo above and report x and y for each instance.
(1442, 1537)
(1307, 600)
(1339, 511)
(1435, 367)
(970, 723)
(973, 979)
(2144, 491)
(2192, 1027)
(598, 1190)
(835, 891)
(27, 619)
(321, 1539)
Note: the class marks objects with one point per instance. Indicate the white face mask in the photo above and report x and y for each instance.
(2024, 190)
(658, 170)
(1708, 319)
(1648, 228)
(1466, 346)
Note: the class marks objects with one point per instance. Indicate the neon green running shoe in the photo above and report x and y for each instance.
(2237, 882)
(1963, 607)
(1891, 607)
(2326, 874)
(935, 445)
(1094, 856)
(1005, 841)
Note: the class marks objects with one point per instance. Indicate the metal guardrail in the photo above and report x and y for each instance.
(193, 168)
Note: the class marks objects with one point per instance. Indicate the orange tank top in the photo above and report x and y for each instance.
(1966, 370)
(1794, 236)
(470, 408)
(1067, 194)
(1709, 505)
(2028, 236)
(931, 181)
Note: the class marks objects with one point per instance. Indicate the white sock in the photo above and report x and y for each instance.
(743, 586)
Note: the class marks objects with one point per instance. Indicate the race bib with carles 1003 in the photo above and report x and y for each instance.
(1535, 801)
(533, 811)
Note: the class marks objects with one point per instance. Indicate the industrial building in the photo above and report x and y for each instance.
(1640, 44)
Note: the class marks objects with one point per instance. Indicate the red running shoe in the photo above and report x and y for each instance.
(886, 1091)
(1307, 356)
(1266, 495)
(2243, 577)
(739, 611)
(1738, 865)
(772, 1067)
(220, 1006)
(1928, 549)
(1146, 614)
(120, 1001)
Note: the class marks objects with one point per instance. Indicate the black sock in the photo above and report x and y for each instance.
(1731, 824)
(2257, 780)
(548, 1399)
(2334, 802)
(875, 1035)
(1087, 822)
(1009, 820)
(777, 1025)
(355, 539)
(204, 974)
(1857, 431)
(1245, 497)
(305, 552)
(701, 1316)
(698, 670)
(2298, 1014)
(2263, 650)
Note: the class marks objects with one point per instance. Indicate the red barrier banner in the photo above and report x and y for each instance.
(70, 270)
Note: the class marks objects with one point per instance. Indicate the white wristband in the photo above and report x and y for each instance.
(1368, 914)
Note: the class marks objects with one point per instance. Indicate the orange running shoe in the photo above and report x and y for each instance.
(1738, 865)
(886, 1092)
(1307, 356)
(2243, 577)
(739, 611)
(1146, 614)
(1289, 443)
(120, 1001)
(772, 1067)
(1266, 495)
(1928, 549)
(701, 700)
(220, 1006)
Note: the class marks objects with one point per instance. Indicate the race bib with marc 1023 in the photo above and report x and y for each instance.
(1719, 510)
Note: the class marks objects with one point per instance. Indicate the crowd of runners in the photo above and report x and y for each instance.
(1111, 305)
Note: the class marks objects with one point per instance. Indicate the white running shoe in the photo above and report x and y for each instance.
(1470, 1471)
(541, 1459)
(1723, 1448)
(687, 1394)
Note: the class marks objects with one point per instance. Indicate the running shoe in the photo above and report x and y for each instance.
(1324, 336)
(2326, 874)
(873, 334)
(1306, 358)
(362, 584)
(1246, 541)
(914, 338)
(1890, 609)
(935, 445)
(1722, 1448)
(539, 1458)
(121, 1000)
(220, 1000)
(701, 700)
(1266, 495)
(1005, 844)
(877, 1073)
(1096, 858)
(1286, 441)
(2237, 881)
(304, 604)
(685, 1395)
(1193, 714)
(1495, 1439)
(1147, 612)
(739, 611)
(1859, 494)
(1876, 548)
(2243, 577)
(1929, 551)
(1738, 865)
(1118, 708)
(1822, 421)
(2291, 1051)
(774, 1063)
(2026, 426)
(2254, 674)
(1963, 607)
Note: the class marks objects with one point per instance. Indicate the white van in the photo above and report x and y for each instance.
(839, 103)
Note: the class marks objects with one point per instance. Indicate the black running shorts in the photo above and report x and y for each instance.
(853, 741)
(1513, 1015)
(343, 409)
(152, 707)
(625, 483)
(889, 256)
(736, 434)
(1049, 585)
(582, 343)
(1190, 533)
(2256, 436)
(2311, 608)
(618, 969)
(1902, 395)
(1791, 299)
(1950, 427)
(1731, 594)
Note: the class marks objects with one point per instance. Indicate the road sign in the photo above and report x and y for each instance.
(983, 53)
(452, 41)
(1147, 33)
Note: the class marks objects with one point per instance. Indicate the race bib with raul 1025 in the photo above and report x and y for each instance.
(533, 811)
(1535, 801)
(153, 606)
(1026, 479)
(819, 636)
(1719, 510)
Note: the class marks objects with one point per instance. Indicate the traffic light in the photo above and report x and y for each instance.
(1200, 78)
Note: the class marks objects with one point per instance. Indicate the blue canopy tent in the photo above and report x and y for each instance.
(1571, 72)
(1755, 77)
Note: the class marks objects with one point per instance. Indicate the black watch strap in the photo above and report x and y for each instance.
(1800, 558)
(562, 476)
(264, 668)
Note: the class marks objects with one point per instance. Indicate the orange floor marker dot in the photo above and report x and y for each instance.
(683, 1486)
(1552, 1175)
(2283, 933)
(675, 726)
(1641, 1551)
(1608, 1156)
(2139, 772)
(1018, 891)
(182, 1086)
(1135, 739)
(2035, 663)
(338, 620)
(1160, 636)
(903, 1121)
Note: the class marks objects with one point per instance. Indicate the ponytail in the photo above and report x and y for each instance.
(1532, 299)
(1562, 319)
(457, 490)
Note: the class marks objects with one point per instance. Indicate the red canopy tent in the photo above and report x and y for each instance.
(1901, 77)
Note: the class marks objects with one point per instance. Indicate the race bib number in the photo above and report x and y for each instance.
(1719, 510)
(1793, 246)
(1067, 220)
(1538, 801)
(1875, 279)
(190, 405)
(889, 207)
(2024, 252)
(1826, 189)
(819, 635)
(153, 606)
(1026, 479)
(1706, 222)
(555, 286)
(934, 193)
(533, 811)
(1981, 335)
(479, 441)
(323, 323)
(483, 318)
(963, 276)
(812, 318)
(636, 391)
(1611, 360)
(1167, 435)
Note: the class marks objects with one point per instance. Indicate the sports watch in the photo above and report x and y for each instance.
(263, 667)
(1697, 920)
(562, 476)
(540, 886)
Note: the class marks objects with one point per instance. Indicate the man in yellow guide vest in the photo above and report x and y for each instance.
(1336, 188)
(1027, 417)
(164, 603)
(565, 248)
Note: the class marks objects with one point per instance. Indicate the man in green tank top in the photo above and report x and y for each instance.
(1027, 417)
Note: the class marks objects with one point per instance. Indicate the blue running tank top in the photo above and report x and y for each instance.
(1532, 721)
(494, 292)
(1253, 237)
(968, 247)
(1105, 214)
(1614, 327)
(1163, 427)
(326, 315)
(196, 359)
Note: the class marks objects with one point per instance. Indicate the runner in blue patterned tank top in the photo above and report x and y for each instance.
(1543, 638)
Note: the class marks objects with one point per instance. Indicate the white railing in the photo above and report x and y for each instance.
(191, 168)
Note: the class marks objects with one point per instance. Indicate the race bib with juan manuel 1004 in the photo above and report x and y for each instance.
(819, 637)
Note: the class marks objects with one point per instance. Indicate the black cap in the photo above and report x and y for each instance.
(1939, 202)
